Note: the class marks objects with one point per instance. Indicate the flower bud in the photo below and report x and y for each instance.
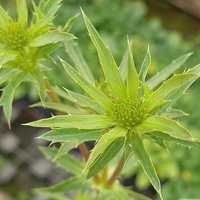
(129, 113)
(14, 36)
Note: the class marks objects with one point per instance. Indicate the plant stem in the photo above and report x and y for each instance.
(52, 95)
(117, 171)
(84, 151)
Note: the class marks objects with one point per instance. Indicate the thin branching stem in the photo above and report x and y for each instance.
(52, 95)
(84, 151)
(117, 172)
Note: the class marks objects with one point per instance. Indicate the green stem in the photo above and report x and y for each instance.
(117, 172)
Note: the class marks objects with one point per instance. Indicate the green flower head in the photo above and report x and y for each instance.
(24, 44)
(24, 38)
(14, 36)
(128, 113)
(131, 109)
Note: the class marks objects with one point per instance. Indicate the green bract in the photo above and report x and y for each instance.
(24, 44)
(119, 117)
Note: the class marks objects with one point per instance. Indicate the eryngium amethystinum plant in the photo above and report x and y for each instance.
(119, 116)
(24, 44)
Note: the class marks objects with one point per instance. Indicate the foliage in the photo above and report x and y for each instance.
(122, 111)
(127, 114)
(23, 46)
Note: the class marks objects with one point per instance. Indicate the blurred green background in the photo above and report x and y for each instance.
(170, 33)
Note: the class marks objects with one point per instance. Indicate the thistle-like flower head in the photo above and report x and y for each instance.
(128, 113)
(14, 36)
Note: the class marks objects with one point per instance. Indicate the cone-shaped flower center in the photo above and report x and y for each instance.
(14, 36)
(129, 113)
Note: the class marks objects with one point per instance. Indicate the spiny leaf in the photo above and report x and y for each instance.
(62, 93)
(83, 100)
(145, 66)
(51, 37)
(162, 124)
(22, 12)
(174, 113)
(144, 91)
(127, 149)
(132, 77)
(66, 162)
(145, 161)
(38, 76)
(195, 69)
(4, 17)
(123, 65)
(179, 92)
(109, 66)
(168, 87)
(64, 149)
(137, 195)
(69, 24)
(171, 99)
(49, 6)
(9, 92)
(75, 121)
(7, 56)
(44, 51)
(73, 183)
(57, 196)
(61, 108)
(167, 71)
(79, 61)
(103, 143)
(72, 135)
(94, 92)
(190, 142)
(37, 13)
(106, 156)
(44, 15)
(7, 76)
(160, 142)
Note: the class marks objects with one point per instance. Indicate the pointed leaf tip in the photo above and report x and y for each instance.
(145, 65)
(132, 75)
(93, 91)
(22, 12)
(145, 161)
(108, 64)
(167, 71)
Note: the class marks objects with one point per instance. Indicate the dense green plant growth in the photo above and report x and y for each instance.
(121, 111)
(25, 44)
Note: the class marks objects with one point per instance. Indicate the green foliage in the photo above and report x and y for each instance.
(23, 46)
(134, 103)
(120, 111)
